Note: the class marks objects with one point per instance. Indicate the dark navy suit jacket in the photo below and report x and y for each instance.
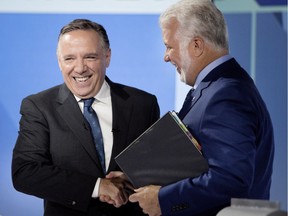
(55, 158)
(230, 120)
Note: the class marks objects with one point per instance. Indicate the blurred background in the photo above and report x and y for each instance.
(28, 39)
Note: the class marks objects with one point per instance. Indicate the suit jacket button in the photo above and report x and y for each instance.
(73, 203)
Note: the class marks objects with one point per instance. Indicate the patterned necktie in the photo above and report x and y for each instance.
(187, 104)
(93, 121)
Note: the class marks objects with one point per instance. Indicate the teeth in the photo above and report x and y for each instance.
(81, 79)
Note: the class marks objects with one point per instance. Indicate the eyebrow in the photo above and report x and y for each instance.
(94, 53)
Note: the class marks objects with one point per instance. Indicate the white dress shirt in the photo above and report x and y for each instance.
(102, 105)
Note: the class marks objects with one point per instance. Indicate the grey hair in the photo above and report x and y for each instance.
(198, 18)
(85, 24)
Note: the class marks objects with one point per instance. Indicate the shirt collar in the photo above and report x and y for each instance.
(209, 68)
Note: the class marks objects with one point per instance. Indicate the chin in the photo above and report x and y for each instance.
(182, 78)
(82, 94)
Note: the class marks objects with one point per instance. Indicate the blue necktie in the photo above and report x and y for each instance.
(92, 118)
(187, 104)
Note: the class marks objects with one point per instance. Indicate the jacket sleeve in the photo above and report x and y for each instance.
(33, 171)
(227, 126)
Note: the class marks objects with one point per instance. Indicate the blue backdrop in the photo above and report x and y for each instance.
(29, 64)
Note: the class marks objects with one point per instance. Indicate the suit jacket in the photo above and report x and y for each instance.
(55, 158)
(230, 120)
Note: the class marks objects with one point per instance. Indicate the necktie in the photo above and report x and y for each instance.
(187, 104)
(93, 121)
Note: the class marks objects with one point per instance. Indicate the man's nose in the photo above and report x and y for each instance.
(80, 66)
(166, 58)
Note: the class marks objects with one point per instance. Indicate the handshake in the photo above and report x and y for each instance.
(116, 189)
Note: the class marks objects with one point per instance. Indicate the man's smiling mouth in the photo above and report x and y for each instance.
(82, 79)
(177, 68)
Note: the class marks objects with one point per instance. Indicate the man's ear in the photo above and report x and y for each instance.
(197, 46)
(108, 57)
(59, 62)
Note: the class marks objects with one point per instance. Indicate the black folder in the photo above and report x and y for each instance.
(165, 153)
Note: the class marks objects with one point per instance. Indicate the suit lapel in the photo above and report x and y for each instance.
(195, 97)
(205, 83)
(72, 115)
(121, 114)
(199, 92)
(212, 76)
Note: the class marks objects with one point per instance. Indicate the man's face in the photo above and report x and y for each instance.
(177, 52)
(83, 62)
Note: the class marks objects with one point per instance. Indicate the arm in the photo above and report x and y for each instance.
(51, 166)
(226, 129)
(225, 126)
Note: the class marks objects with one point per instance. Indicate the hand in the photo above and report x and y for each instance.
(112, 189)
(148, 199)
(116, 174)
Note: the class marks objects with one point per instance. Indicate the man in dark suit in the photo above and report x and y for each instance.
(223, 110)
(55, 157)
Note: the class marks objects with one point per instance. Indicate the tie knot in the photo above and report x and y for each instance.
(189, 95)
(191, 90)
(88, 102)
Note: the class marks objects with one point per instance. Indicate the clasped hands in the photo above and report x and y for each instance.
(115, 189)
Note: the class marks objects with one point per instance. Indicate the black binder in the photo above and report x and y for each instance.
(165, 153)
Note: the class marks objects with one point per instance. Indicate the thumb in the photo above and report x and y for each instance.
(133, 198)
(113, 174)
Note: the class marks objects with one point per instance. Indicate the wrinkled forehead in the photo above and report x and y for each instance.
(80, 39)
(170, 28)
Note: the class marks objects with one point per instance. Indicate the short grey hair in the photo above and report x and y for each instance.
(198, 18)
(85, 24)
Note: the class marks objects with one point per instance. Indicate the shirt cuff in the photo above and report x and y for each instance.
(95, 193)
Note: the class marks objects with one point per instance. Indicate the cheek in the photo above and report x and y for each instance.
(65, 68)
(176, 55)
(96, 67)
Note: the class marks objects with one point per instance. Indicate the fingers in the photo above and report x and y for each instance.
(113, 191)
(136, 196)
(119, 200)
(129, 187)
(107, 199)
(114, 174)
(117, 174)
(147, 197)
(133, 198)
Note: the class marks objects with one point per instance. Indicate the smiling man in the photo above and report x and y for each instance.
(83, 62)
(223, 110)
(66, 146)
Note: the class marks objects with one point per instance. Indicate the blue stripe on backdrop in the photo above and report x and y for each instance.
(272, 2)
(271, 79)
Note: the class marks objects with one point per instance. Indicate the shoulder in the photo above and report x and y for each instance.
(126, 91)
(45, 97)
(229, 80)
(44, 93)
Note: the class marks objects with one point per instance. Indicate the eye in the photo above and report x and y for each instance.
(68, 58)
(168, 48)
(91, 57)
